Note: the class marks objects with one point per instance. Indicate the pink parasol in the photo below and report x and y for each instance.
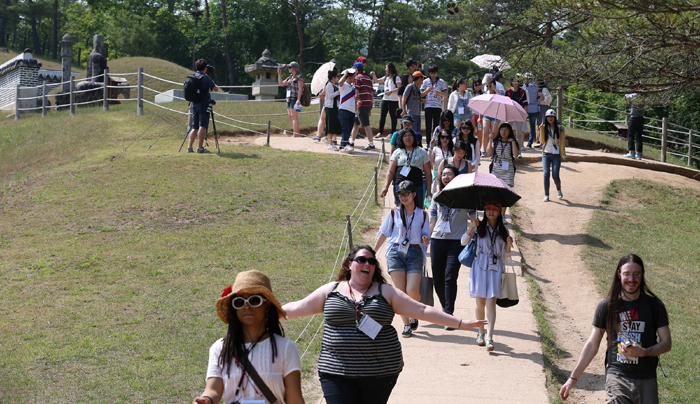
(498, 106)
(472, 191)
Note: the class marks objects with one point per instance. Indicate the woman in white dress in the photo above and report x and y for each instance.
(493, 246)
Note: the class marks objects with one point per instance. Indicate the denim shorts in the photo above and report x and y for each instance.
(200, 116)
(411, 262)
(488, 118)
(291, 102)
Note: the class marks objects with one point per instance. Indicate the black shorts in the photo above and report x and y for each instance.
(362, 116)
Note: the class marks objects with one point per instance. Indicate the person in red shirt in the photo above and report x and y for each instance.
(365, 95)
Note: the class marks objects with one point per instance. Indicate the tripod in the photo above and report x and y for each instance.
(213, 124)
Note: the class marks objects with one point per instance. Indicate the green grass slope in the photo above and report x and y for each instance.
(660, 224)
(111, 261)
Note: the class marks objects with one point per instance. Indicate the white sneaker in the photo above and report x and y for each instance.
(333, 147)
(349, 148)
(559, 194)
(630, 155)
(546, 198)
(324, 139)
(489, 344)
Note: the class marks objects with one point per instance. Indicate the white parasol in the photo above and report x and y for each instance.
(321, 77)
(489, 61)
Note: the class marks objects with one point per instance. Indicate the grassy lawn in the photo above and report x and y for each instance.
(660, 224)
(110, 262)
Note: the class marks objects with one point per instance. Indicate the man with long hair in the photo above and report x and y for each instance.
(633, 317)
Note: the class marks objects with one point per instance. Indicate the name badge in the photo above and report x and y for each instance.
(253, 401)
(289, 93)
(505, 164)
(403, 246)
(445, 227)
(555, 149)
(368, 326)
(493, 263)
(405, 171)
(460, 110)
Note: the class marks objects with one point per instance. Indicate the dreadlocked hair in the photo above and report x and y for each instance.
(233, 346)
(614, 308)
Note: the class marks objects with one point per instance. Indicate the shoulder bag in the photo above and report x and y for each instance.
(466, 257)
(250, 370)
(509, 289)
(426, 288)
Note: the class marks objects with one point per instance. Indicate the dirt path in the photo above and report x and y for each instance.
(453, 369)
(553, 237)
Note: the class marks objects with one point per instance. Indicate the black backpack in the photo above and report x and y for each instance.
(193, 88)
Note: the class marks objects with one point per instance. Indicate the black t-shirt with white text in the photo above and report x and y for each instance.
(639, 320)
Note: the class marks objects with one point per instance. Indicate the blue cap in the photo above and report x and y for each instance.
(358, 65)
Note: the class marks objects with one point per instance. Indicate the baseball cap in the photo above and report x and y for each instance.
(358, 65)
(550, 112)
(407, 118)
(493, 203)
(417, 74)
(406, 185)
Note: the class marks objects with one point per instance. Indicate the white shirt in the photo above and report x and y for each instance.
(500, 89)
(273, 374)
(330, 95)
(390, 85)
(418, 226)
(348, 97)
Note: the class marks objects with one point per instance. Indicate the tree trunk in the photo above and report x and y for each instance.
(206, 8)
(370, 48)
(35, 33)
(55, 30)
(3, 25)
(227, 52)
(300, 33)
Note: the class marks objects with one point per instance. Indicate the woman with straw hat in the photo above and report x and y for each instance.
(360, 353)
(254, 337)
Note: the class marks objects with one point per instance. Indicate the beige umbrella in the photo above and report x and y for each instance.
(489, 61)
(321, 77)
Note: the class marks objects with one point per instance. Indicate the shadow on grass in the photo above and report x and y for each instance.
(237, 156)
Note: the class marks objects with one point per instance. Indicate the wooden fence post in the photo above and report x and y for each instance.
(349, 227)
(383, 152)
(571, 121)
(105, 90)
(268, 132)
(664, 138)
(139, 100)
(376, 197)
(560, 103)
(71, 95)
(690, 147)
(43, 98)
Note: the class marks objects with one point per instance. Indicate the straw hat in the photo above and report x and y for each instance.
(253, 282)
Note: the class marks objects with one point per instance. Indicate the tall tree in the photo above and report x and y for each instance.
(306, 11)
(32, 20)
(55, 29)
(227, 45)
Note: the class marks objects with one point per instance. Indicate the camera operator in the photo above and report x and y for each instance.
(200, 115)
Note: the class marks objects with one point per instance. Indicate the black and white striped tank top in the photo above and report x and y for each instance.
(347, 351)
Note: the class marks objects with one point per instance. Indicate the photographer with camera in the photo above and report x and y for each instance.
(200, 112)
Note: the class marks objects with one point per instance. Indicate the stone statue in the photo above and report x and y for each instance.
(97, 61)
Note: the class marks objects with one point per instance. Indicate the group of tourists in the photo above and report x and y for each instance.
(361, 358)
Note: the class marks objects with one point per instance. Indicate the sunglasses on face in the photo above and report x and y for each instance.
(466, 128)
(444, 137)
(365, 260)
(405, 194)
(253, 301)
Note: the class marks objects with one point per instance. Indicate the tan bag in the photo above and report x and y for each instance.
(509, 289)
